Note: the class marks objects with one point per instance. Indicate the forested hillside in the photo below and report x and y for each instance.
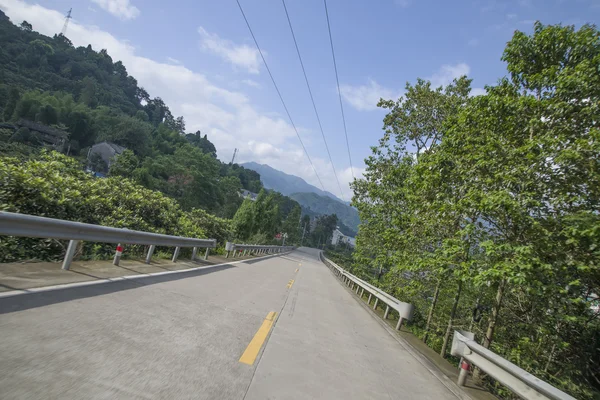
(84, 97)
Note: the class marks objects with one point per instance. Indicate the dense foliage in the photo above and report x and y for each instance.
(485, 211)
(54, 185)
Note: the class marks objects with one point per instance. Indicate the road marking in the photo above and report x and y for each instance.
(258, 340)
(290, 283)
(297, 269)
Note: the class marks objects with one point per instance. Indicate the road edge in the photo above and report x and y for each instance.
(416, 354)
(41, 289)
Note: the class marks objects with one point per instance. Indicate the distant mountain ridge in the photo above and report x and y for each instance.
(285, 184)
(313, 200)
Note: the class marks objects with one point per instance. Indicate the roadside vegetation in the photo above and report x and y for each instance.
(484, 211)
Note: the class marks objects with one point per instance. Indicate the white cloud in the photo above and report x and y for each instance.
(366, 97)
(228, 117)
(243, 56)
(250, 82)
(121, 9)
(447, 73)
(478, 91)
(173, 60)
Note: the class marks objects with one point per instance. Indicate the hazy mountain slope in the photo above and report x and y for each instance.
(284, 183)
(322, 205)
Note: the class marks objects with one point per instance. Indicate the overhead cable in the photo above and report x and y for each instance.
(312, 98)
(338, 88)
(278, 92)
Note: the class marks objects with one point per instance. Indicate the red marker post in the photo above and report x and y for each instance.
(464, 372)
(118, 254)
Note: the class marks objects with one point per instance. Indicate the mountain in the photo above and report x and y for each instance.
(312, 203)
(284, 183)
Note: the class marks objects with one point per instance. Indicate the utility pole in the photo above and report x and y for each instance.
(234, 154)
(303, 232)
(67, 18)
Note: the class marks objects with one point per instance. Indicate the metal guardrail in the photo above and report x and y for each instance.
(405, 310)
(24, 225)
(234, 249)
(516, 379)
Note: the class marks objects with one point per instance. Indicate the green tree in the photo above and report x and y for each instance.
(13, 98)
(230, 187)
(26, 26)
(291, 225)
(124, 164)
(244, 220)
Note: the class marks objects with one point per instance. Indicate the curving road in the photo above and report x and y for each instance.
(274, 328)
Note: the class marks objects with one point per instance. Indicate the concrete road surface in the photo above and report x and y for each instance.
(299, 333)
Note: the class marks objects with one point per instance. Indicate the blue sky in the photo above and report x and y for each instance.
(199, 57)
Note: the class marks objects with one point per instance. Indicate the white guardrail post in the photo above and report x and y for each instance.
(14, 224)
(516, 379)
(236, 249)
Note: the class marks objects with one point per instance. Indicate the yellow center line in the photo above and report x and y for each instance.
(258, 340)
(297, 269)
(290, 283)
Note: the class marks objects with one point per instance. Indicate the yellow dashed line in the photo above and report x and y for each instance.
(258, 340)
(297, 269)
(290, 283)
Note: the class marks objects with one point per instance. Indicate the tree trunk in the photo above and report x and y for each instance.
(431, 309)
(451, 320)
(474, 311)
(489, 335)
(550, 358)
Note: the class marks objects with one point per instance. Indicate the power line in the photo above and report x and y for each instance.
(312, 98)
(278, 92)
(337, 79)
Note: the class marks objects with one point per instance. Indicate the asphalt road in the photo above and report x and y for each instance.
(276, 328)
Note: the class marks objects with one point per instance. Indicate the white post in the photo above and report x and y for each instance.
(194, 252)
(150, 252)
(176, 254)
(206, 254)
(387, 311)
(118, 254)
(400, 321)
(376, 302)
(464, 372)
(70, 254)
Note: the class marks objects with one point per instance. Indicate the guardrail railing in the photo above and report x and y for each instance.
(15, 224)
(234, 249)
(405, 310)
(516, 379)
